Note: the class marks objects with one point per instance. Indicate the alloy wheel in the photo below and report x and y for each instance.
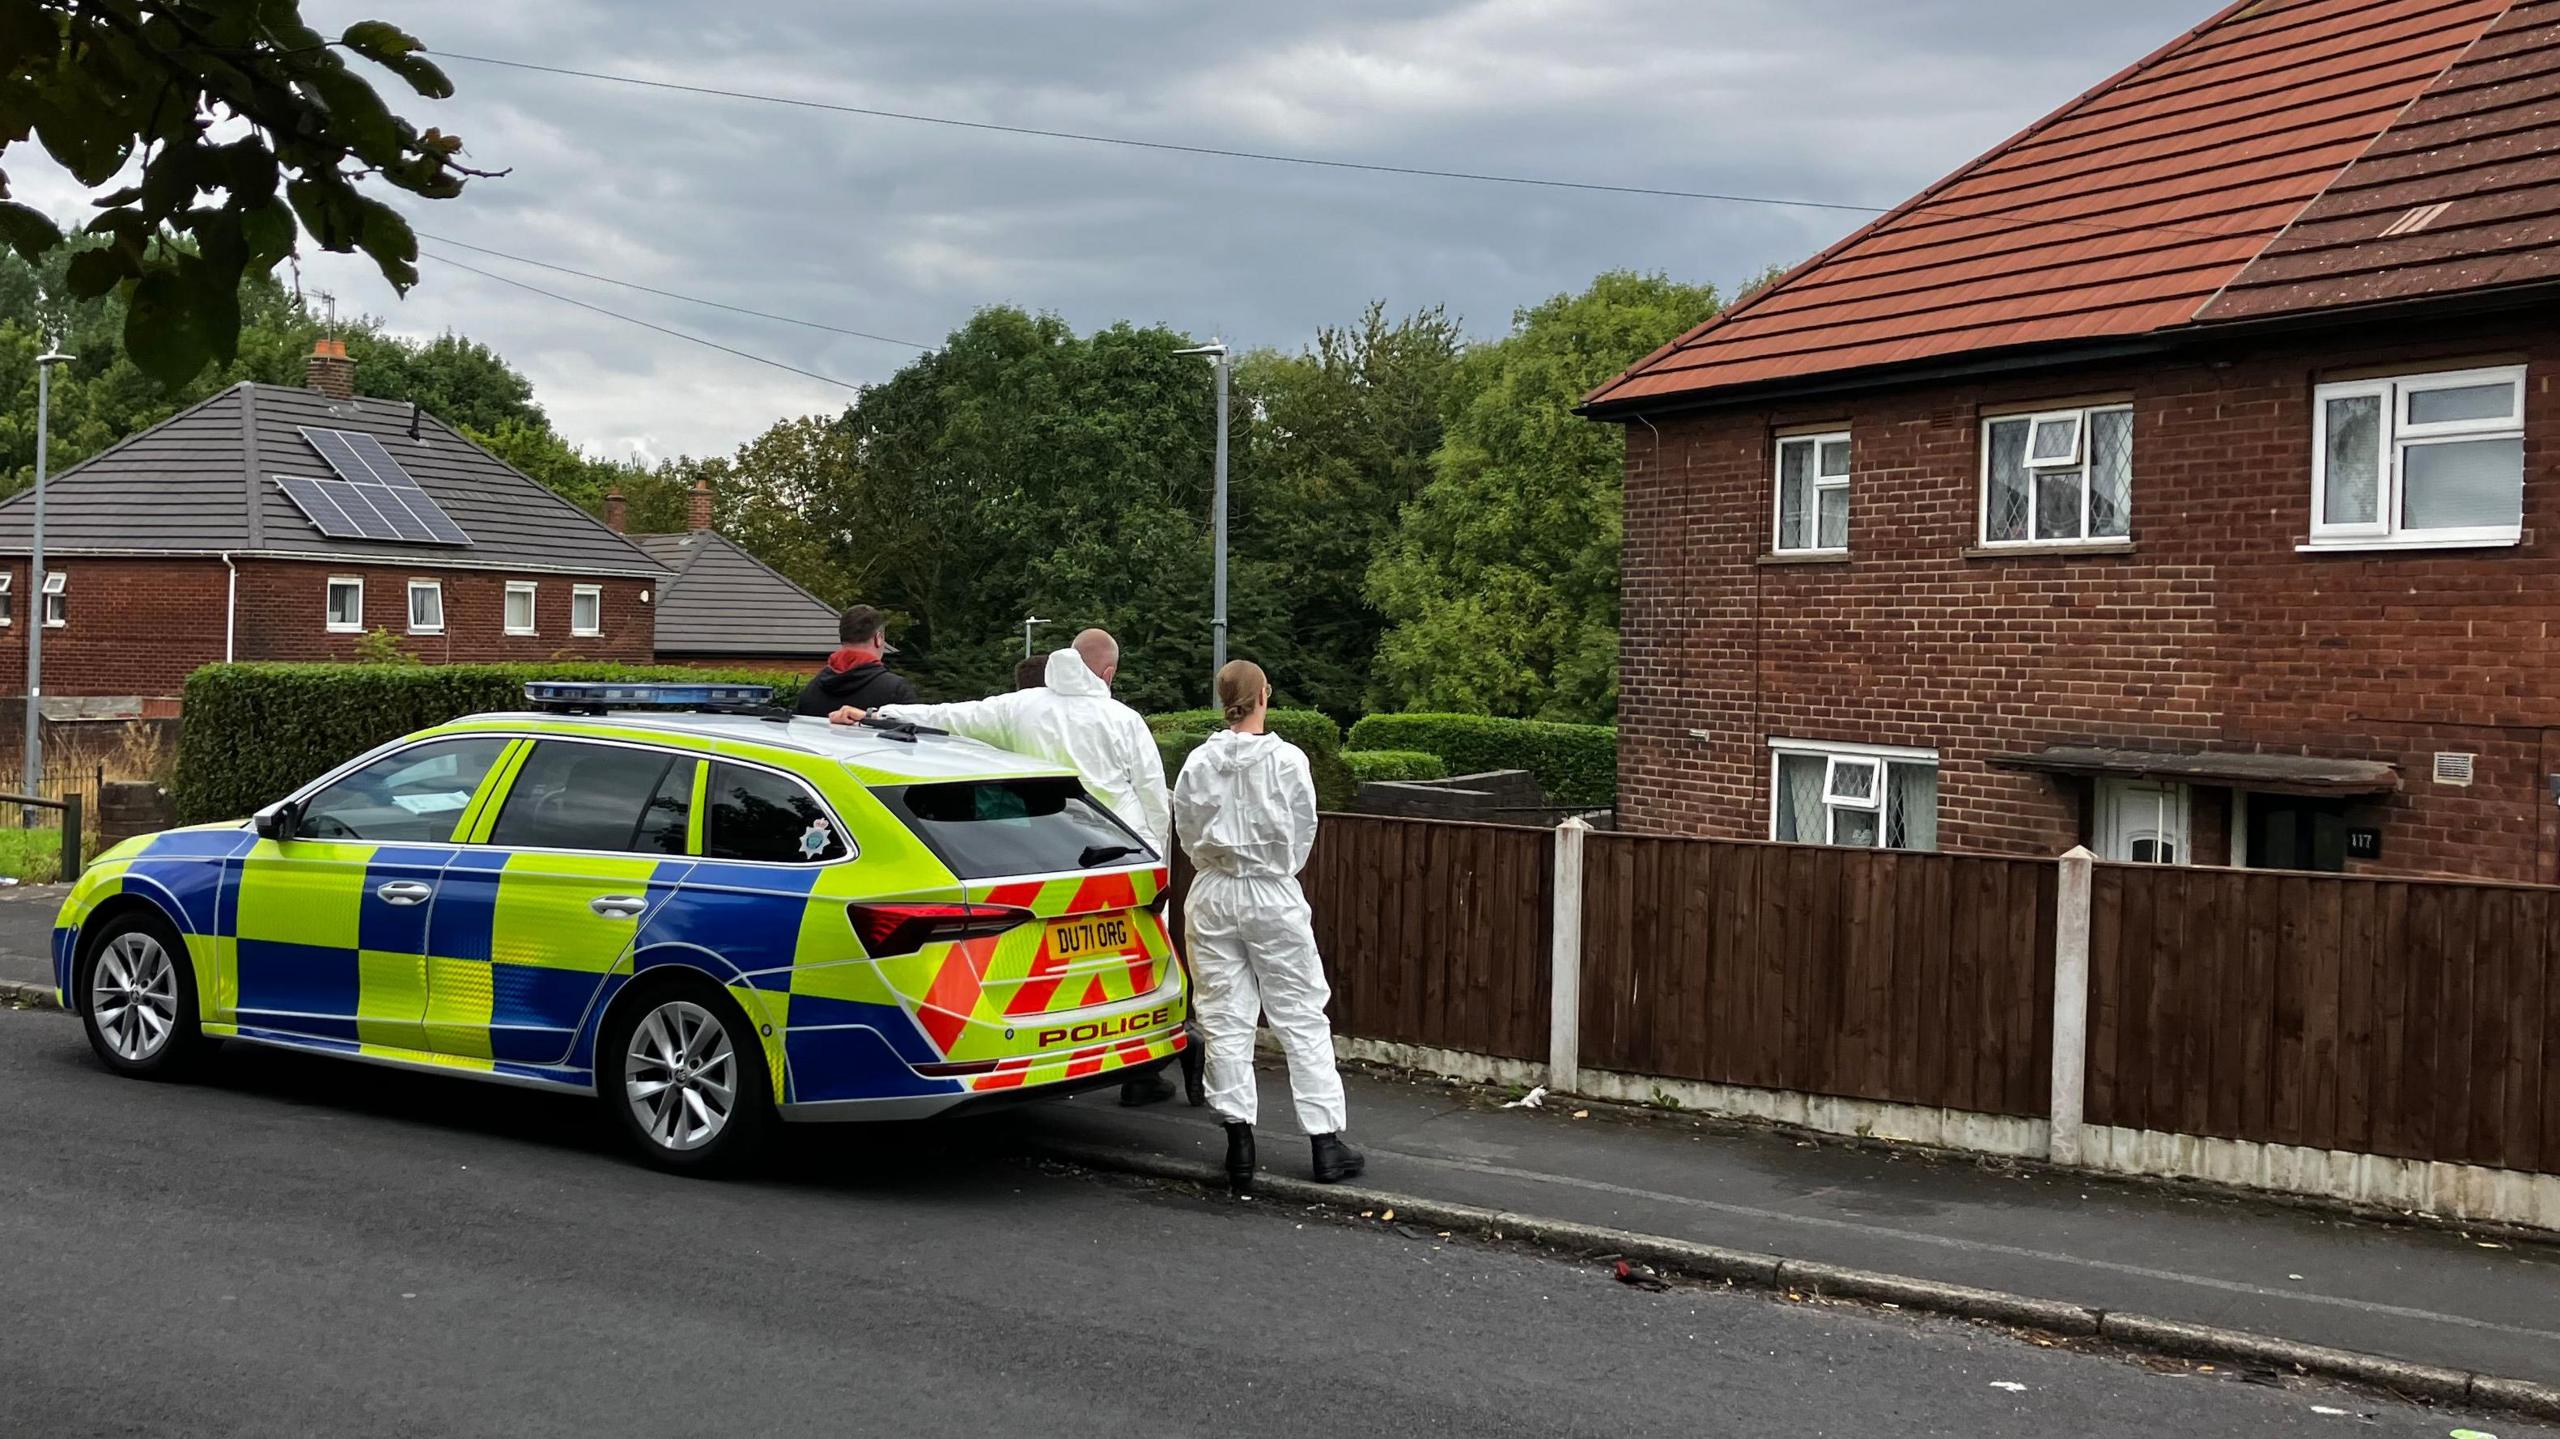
(681, 1076)
(133, 994)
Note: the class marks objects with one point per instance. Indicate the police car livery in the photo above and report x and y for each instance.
(706, 913)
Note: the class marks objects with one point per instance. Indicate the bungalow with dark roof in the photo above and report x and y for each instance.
(723, 607)
(2176, 479)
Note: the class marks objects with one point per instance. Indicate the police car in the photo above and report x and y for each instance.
(707, 913)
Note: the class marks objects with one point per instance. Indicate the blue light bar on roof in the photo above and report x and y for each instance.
(594, 695)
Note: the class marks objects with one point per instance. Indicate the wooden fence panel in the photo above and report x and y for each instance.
(1919, 979)
(2411, 1018)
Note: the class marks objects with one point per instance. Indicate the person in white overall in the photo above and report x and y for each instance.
(1245, 811)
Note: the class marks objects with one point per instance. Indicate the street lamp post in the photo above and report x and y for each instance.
(1216, 350)
(35, 582)
(1029, 623)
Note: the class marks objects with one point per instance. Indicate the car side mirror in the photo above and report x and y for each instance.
(277, 820)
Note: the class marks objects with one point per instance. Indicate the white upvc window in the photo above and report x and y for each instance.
(57, 599)
(1813, 495)
(520, 597)
(346, 604)
(586, 609)
(2419, 460)
(2058, 477)
(426, 607)
(8, 597)
(1863, 796)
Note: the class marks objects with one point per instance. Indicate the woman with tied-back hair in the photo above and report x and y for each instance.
(1245, 811)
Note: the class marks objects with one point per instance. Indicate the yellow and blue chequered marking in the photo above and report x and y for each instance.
(505, 969)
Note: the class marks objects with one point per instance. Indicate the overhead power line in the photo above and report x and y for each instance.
(671, 294)
(1131, 142)
(635, 320)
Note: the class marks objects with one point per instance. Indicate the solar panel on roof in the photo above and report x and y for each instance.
(373, 498)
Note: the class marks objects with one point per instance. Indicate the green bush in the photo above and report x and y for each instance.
(1575, 764)
(1180, 732)
(1394, 764)
(253, 733)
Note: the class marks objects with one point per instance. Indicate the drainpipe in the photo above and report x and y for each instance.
(230, 603)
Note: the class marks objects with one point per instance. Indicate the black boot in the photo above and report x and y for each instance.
(1146, 1089)
(1239, 1158)
(1195, 1072)
(1335, 1160)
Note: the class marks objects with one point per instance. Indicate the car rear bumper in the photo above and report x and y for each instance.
(979, 1101)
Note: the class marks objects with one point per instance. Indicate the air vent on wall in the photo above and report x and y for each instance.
(2454, 768)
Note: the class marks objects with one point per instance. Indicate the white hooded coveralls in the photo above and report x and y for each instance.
(1245, 809)
(1074, 722)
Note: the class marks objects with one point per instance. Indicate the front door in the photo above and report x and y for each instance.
(331, 927)
(2143, 822)
(589, 839)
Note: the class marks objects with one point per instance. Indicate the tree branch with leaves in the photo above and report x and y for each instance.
(240, 128)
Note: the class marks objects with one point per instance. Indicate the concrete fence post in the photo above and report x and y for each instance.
(2070, 1004)
(1564, 975)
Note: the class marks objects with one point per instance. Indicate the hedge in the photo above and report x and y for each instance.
(1574, 764)
(254, 733)
(1180, 732)
(1394, 764)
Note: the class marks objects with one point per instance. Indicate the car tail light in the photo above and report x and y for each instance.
(887, 929)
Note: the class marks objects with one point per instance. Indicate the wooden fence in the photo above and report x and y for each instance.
(2418, 1019)
(1912, 978)
(1433, 933)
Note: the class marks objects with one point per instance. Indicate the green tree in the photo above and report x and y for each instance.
(1337, 439)
(100, 84)
(1501, 583)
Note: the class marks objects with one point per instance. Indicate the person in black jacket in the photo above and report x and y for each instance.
(858, 672)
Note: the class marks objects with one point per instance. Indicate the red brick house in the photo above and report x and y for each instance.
(274, 523)
(2181, 478)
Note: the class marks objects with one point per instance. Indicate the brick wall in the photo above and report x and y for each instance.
(139, 627)
(2211, 632)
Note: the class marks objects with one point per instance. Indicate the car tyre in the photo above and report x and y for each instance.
(683, 1074)
(135, 988)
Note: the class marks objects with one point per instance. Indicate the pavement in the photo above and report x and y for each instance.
(26, 931)
(299, 1245)
(2428, 1294)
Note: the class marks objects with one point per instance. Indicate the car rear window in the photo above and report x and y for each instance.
(992, 829)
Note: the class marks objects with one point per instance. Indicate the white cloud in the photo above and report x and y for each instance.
(903, 229)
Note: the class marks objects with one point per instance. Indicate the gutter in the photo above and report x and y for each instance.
(230, 604)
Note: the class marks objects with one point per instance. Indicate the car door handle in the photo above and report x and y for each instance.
(618, 906)
(403, 891)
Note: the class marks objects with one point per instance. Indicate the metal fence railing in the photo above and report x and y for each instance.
(71, 806)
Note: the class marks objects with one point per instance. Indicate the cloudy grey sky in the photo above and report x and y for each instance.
(903, 229)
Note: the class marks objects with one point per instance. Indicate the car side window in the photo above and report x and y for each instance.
(754, 814)
(412, 797)
(568, 795)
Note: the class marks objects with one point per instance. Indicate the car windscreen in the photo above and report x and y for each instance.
(997, 828)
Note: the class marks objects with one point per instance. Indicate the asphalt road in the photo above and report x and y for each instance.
(303, 1246)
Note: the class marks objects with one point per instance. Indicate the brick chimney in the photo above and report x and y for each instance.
(698, 517)
(613, 511)
(330, 371)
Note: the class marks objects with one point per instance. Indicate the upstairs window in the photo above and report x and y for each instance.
(2061, 477)
(2419, 460)
(1813, 495)
(1863, 796)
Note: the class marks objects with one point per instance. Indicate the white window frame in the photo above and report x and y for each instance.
(2082, 417)
(57, 599)
(329, 594)
(578, 593)
(8, 598)
(1878, 759)
(436, 588)
(2399, 435)
(1813, 544)
(532, 608)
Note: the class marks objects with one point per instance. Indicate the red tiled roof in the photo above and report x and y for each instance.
(2131, 209)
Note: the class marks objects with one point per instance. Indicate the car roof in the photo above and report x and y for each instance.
(876, 755)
